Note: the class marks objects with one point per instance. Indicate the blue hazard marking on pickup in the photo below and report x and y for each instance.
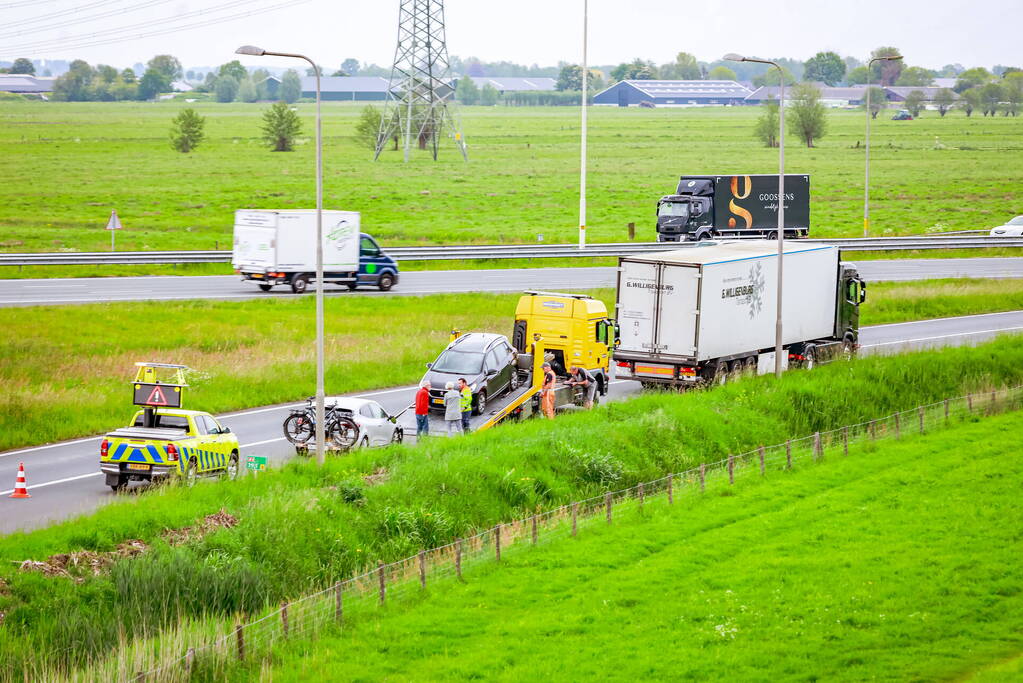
(154, 453)
(118, 452)
(136, 456)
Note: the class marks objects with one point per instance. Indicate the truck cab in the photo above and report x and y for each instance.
(575, 328)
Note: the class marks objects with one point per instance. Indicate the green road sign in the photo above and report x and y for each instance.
(255, 462)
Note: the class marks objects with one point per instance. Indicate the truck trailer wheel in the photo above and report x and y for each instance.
(265, 286)
(810, 356)
(299, 283)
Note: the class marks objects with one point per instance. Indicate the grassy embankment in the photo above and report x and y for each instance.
(860, 574)
(302, 526)
(65, 367)
(58, 185)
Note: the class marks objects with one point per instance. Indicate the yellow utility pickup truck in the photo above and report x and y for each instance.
(164, 440)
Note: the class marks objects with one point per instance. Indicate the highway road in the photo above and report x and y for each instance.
(64, 478)
(228, 287)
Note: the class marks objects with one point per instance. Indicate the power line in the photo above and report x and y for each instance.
(79, 20)
(91, 40)
(61, 13)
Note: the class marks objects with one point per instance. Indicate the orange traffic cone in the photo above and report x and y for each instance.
(20, 491)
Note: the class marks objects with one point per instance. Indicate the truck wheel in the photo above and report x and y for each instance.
(352, 286)
(386, 282)
(750, 366)
(299, 283)
(190, 472)
(810, 354)
(232, 466)
(773, 235)
(480, 404)
(266, 287)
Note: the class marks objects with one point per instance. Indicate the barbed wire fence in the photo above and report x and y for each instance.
(403, 581)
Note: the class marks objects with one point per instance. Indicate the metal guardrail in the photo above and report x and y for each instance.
(505, 251)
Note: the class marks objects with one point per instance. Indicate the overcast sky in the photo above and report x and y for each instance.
(930, 33)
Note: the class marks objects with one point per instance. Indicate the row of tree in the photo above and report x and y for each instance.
(232, 82)
(103, 83)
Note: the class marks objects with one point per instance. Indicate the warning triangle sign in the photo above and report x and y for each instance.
(156, 397)
(114, 223)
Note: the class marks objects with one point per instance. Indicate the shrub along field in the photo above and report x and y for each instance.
(64, 368)
(302, 526)
(66, 165)
(859, 575)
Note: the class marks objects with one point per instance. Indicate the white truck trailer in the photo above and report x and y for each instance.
(701, 314)
(279, 247)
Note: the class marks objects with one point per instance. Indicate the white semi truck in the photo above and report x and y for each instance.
(701, 314)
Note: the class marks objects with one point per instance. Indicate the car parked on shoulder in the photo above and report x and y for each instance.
(486, 361)
(375, 426)
(1012, 228)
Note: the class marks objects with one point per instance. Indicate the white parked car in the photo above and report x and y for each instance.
(376, 427)
(1013, 228)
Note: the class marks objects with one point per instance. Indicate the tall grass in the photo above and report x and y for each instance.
(304, 527)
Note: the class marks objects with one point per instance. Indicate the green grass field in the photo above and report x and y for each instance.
(66, 165)
(847, 571)
(66, 367)
(302, 527)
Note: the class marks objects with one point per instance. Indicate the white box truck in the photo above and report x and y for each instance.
(701, 314)
(279, 247)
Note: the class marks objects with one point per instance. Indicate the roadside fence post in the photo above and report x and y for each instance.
(497, 542)
(383, 583)
(575, 517)
(763, 466)
(458, 558)
(731, 470)
(994, 400)
(189, 659)
(641, 494)
(671, 492)
(845, 440)
(898, 427)
(921, 413)
(607, 506)
(969, 402)
(536, 532)
(422, 568)
(284, 618)
(338, 605)
(703, 467)
(788, 454)
(240, 636)
(946, 410)
(870, 428)
(818, 450)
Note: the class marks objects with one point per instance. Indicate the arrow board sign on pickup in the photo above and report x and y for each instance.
(157, 395)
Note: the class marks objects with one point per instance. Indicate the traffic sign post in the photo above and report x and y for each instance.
(113, 225)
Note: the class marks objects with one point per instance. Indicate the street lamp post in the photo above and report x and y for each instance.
(582, 153)
(320, 417)
(781, 201)
(866, 178)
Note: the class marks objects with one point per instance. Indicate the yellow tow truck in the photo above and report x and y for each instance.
(565, 330)
(164, 440)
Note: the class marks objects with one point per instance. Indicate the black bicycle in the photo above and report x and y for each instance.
(339, 427)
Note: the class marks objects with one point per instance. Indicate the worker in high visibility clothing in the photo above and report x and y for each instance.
(466, 403)
(547, 391)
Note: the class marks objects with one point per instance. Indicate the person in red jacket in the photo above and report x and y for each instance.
(423, 410)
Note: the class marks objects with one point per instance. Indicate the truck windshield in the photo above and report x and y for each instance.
(459, 362)
(673, 209)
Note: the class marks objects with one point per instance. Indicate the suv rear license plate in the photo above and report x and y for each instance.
(137, 466)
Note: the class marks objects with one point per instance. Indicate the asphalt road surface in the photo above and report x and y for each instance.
(64, 478)
(228, 287)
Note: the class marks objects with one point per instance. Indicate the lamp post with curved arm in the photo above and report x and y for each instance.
(320, 417)
(866, 178)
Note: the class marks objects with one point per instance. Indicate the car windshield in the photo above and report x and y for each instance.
(673, 209)
(1018, 220)
(459, 362)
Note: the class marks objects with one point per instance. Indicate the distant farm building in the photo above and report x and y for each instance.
(844, 96)
(671, 93)
(350, 88)
(505, 84)
(25, 84)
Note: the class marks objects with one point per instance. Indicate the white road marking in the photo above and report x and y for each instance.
(260, 443)
(936, 320)
(50, 445)
(56, 481)
(942, 336)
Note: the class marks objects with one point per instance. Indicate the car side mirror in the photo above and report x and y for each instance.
(429, 366)
(491, 373)
(225, 430)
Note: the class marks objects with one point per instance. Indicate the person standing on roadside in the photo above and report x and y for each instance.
(423, 410)
(547, 391)
(466, 403)
(452, 409)
(579, 377)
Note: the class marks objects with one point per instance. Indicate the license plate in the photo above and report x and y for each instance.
(257, 276)
(438, 400)
(137, 466)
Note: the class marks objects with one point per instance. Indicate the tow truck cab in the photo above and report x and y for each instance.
(575, 329)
